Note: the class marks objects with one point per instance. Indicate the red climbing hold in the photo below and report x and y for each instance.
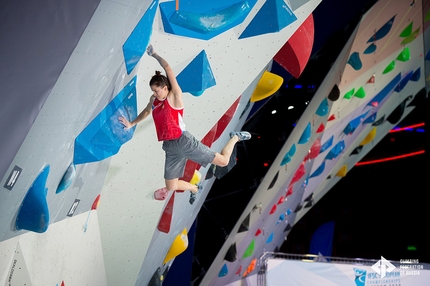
(166, 217)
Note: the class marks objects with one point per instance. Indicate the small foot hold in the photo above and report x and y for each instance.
(243, 135)
(193, 195)
(161, 194)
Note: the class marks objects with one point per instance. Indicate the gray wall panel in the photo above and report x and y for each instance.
(36, 41)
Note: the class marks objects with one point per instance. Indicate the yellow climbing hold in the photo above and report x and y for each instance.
(369, 137)
(342, 171)
(178, 246)
(269, 84)
(196, 178)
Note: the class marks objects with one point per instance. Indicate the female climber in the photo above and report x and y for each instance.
(179, 145)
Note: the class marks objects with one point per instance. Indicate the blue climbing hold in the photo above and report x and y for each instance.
(417, 75)
(197, 76)
(104, 135)
(289, 155)
(33, 214)
(319, 170)
(136, 44)
(336, 150)
(67, 179)
(355, 61)
(306, 135)
(203, 19)
(270, 238)
(370, 49)
(272, 17)
(323, 108)
(327, 144)
(224, 271)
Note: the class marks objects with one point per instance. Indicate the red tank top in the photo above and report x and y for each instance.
(168, 120)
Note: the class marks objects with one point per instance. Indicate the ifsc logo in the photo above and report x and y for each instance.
(383, 266)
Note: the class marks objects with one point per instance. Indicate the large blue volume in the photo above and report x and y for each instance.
(135, 45)
(104, 136)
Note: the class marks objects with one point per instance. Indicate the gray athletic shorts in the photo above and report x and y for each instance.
(181, 149)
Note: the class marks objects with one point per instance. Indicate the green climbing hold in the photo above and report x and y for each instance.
(411, 37)
(405, 55)
(349, 94)
(360, 93)
(390, 67)
(427, 17)
(407, 31)
(249, 250)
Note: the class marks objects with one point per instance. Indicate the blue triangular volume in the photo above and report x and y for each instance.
(135, 45)
(327, 144)
(370, 119)
(34, 213)
(272, 17)
(318, 171)
(353, 124)
(383, 31)
(416, 76)
(404, 82)
(428, 55)
(224, 271)
(197, 76)
(336, 150)
(104, 135)
(377, 99)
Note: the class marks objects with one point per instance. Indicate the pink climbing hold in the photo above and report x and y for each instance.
(161, 194)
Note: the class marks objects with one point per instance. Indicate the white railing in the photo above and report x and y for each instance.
(262, 262)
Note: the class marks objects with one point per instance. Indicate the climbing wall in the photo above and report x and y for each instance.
(79, 189)
(76, 164)
(377, 79)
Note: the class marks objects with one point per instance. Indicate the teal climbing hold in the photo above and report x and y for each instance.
(370, 49)
(355, 61)
(323, 108)
(306, 135)
(287, 158)
(33, 214)
(197, 76)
